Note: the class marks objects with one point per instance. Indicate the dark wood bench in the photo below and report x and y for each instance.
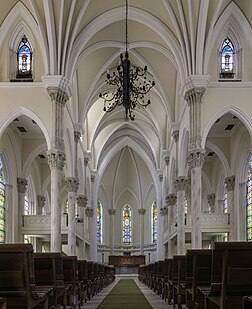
(3, 303)
(70, 277)
(49, 272)
(17, 278)
(247, 302)
(198, 273)
(231, 275)
(167, 288)
(83, 278)
(178, 279)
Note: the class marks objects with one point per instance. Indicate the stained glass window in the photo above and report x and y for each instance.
(249, 202)
(127, 225)
(225, 203)
(2, 205)
(24, 59)
(154, 222)
(99, 222)
(26, 205)
(227, 59)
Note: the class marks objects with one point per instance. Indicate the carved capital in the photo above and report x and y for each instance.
(56, 159)
(180, 183)
(89, 212)
(230, 183)
(81, 200)
(111, 211)
(196, 157)
(141, 211)
(175, 135)
(194, 95)
(211, 199)
(58, 95)
(163, 211)
(21, 185)
(41, 201)
(171, 199)
(92, 177)
(72, 184)
(77, 136)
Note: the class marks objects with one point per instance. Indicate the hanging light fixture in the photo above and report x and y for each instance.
(131, 82)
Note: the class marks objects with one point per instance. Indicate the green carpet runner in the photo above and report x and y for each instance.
(126, 294)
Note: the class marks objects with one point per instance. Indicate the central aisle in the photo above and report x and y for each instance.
(126, 294)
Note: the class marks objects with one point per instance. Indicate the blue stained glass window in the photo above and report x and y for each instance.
(127, 225)
(227, 59)
(99, 222)
(2, 206)
(249, 202)
(24, 58)
(154, 222)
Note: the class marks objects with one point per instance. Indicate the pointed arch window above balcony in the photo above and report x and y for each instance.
(24, 59)
(227, 59)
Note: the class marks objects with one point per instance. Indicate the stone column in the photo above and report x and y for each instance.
(56, 157)
(211, 202)
(195, 160)
(89, 213)
(77, 136)
(193, 97)
(163, 213)
(72, 185)
(160, 232)
(141, 212)
(56, 161)
(41, 204)
(171, 200)
(230, 184)
(21, 187)
(81, 201)
(93, 219)
(112, 212)
(180, 184)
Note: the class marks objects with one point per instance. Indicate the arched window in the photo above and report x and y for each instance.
(227, 59)
(154, 221)
(99, 222)
(24, 59)
(249, 202)
(225, 203)
(26, 205)
(2, 204)
(127, 225)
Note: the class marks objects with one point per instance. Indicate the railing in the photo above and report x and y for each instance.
(34, 224)
(209, 222)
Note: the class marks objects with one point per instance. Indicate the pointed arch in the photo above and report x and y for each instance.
(19, 111)
(232, 21)
(20, 18)
(232, 109)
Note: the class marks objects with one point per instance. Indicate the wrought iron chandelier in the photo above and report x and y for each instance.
(131, 82)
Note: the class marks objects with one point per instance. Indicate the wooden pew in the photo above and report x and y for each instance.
(167, 288)
(17, 278)
(83, 278)
(198, 273)
(3, 303)
(70, 276)
(247, 302)
(49, 272)
(231, 275)
(178, 278)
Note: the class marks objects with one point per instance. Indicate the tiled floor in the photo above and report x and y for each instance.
(156, 301)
